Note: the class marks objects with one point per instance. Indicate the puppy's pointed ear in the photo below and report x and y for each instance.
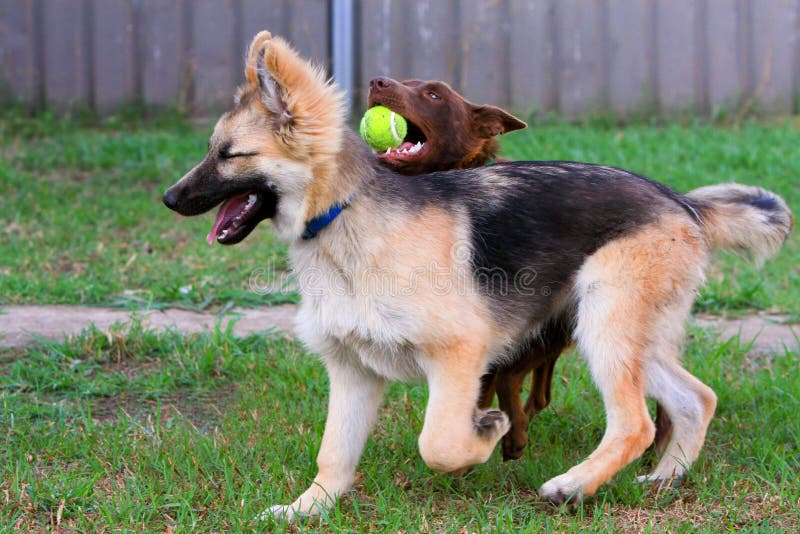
(257, 74)
(255, 51)
(489, 121)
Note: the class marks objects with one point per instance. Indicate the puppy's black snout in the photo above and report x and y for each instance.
(170, 198)
(381, 82)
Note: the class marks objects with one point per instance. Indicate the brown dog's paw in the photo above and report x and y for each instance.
(491, 424)
(513, 446)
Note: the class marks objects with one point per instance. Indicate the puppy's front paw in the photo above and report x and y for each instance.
(281, 512)
(491, 424)
(311, 503)
(562, 489)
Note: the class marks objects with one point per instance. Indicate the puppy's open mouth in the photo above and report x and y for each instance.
(240, 214)
(413, 145)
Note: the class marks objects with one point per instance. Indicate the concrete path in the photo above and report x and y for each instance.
(20, 325)
(771, 332)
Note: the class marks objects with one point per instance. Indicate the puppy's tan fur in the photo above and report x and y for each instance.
(628, 296)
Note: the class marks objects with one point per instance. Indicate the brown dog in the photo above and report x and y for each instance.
(456, 134)
(453, 133)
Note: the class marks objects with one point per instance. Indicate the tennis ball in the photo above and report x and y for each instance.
(382, 129)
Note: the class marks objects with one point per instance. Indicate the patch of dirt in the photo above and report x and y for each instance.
(760, 510)
(202, 411)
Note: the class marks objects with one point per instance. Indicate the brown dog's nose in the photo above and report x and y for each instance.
(170, 198)
(381, 82)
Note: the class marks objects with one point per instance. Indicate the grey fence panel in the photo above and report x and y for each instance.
(435, 41)
(570, 56)
(164, 48)
(675, 84)
(212, 54)
(533, 80)
(485, 37)
(18, 63)
(114, 69)
(308, 29)
(580, 56)
(774, 42)
(67, 53)
(629, 49)
(725, 61)
(382, 42)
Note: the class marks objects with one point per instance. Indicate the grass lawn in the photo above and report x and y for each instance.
(150, 433)
(145, 432)
(82, 220)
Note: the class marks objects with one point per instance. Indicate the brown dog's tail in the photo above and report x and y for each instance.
(744, 219)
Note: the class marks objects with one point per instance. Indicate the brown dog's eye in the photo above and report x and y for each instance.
(433, 95)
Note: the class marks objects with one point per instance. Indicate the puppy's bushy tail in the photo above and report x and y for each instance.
(748, 220)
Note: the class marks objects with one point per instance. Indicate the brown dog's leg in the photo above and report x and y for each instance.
(663, 429)
(509, 388)
(488, 387)
(540, 357)
(541, 383)
(555, 339)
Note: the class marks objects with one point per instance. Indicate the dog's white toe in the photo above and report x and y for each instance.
(279, 511)
(661, 482)
(561, 489)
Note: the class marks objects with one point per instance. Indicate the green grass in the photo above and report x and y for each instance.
(145, 432)
(82, 222)
(138, 431)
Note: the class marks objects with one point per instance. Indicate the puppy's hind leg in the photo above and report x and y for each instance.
(355, 397)
(611, 332)
(687, 404)
(690, 405)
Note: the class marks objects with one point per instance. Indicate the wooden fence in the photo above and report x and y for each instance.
(570, 56)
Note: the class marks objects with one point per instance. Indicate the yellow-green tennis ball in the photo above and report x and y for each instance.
(382, 129)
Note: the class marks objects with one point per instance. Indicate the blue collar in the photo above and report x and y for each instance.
(315, 225)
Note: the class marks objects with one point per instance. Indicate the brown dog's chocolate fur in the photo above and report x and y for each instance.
(460, 135)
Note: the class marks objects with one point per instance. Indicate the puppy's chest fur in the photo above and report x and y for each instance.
(352, 313)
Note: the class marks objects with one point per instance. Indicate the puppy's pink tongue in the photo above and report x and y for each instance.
(227, 211)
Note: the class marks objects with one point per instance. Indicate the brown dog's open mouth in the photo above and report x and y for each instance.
(240, 214)
(413, 145)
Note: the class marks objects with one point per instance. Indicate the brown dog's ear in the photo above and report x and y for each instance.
(489, 121)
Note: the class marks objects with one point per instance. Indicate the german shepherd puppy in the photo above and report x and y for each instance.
(440, 278)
